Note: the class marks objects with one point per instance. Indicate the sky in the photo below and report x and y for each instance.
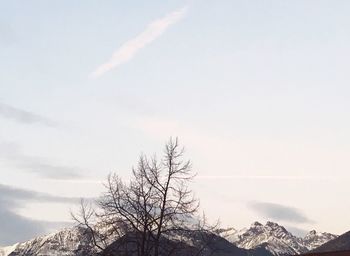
(256, 91)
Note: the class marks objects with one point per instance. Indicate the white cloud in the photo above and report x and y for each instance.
(129, 49)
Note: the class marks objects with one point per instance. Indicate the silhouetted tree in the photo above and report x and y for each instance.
(140, 217)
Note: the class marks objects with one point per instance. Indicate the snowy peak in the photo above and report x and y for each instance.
(226, 233)
(77, 242)
(276, 239)
(312, 233)
(269, 227)
(276, 229)
(315, 239)
(256, 224)
(272, 236)
(5, 251)
(68, 242)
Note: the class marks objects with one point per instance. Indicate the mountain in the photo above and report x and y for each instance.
(257, 240)
(76, 242)
(341, 243)
(67, 242)
(271, 236)
(316, 239)
(275, 238)
(192, 243)
(336, 253)
(4, 251)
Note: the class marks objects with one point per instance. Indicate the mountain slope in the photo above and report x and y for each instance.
(316, 239)
(271, 236)
(341, 243)
(68, 242)
(257, 240)
(335, 253)
(192, 243)
(4, 251)
(275, 238)
(76, 242)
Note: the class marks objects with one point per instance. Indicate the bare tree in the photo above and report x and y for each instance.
(156, 204)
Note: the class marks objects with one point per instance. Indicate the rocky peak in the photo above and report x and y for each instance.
(272, 224)
(312, 233)
(256, 224)
(277, 239)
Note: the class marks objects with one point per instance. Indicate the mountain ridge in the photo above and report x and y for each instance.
(258, 239)
(275, 238)
(341, 243)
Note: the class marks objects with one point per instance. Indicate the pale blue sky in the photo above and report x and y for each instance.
(257, 91)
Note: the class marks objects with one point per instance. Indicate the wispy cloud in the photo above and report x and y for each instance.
(130, 48)
(12, 153)
(16, 228)
(23, 116)
(11, 199)
(13, 195)
(279, 212)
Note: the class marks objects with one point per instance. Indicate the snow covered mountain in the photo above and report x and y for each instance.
(4, 251)
(68, 242)
(315, 239)
(275, 238)
(341, 243)
(75, 242)
(271, 238)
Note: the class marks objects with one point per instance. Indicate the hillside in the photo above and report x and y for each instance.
(342, 243)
